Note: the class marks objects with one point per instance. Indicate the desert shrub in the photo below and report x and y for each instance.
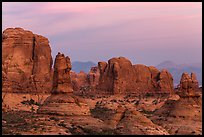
(147, 94)
(54, 118)
(137, 102)
(147, 112)
(30, 102)
(32, 109)
(102, 113)
(113, 100)
(95, 132)
(20, 71)
(155, 101)
(62, 124)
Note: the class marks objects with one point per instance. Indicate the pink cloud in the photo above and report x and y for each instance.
(52, 18)
(121, 26)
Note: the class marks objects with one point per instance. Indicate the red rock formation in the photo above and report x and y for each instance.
(85, 82)
(79, 81)
(74, 80)
(119, 76)
(116, 76)
(61, 78)
(62, 101)
(195, 83)
(26, 61)
(188, 85)
(154, 75)
(82, 79)
(143, 78)
(165, 82)
(93, 77)
(65, 104)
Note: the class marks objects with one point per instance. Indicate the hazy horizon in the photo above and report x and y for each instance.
(144, 32)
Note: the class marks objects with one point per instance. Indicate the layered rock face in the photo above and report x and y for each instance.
(133, 122)
(119, 76)
(116, 76)
(64, 104)
(26, 61)
(180, 117)
(188, 84)
(61, 78)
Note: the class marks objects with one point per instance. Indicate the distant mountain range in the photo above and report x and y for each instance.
(177, 69)
(78, 66)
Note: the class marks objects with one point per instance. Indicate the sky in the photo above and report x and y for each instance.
(144, 32)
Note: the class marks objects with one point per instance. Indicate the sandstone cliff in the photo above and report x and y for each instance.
(119, 76)
(26, 61)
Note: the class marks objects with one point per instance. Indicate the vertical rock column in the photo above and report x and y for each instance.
(188, 85)
(61, 78)
(62, 101)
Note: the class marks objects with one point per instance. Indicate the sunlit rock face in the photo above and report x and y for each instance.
(188, 85)
(119, 76)
(26, 61)
(62, 101)
(61, 78)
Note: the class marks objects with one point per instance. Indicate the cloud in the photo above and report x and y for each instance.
(93, 25)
